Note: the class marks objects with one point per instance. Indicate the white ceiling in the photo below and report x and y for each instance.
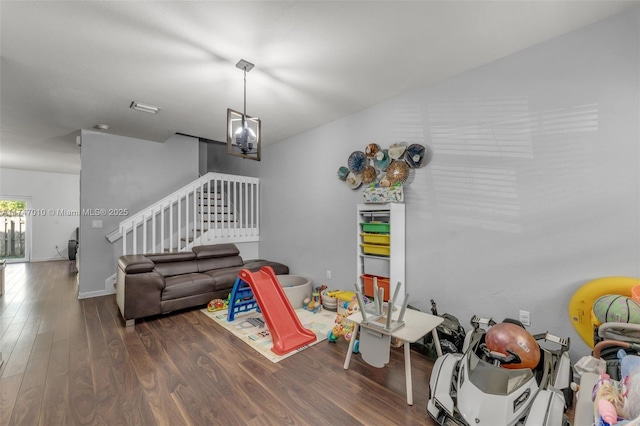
(67, 66)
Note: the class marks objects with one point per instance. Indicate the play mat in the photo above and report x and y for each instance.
(251, 329)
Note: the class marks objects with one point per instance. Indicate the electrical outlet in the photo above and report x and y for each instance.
(525, 318)
(328, 274)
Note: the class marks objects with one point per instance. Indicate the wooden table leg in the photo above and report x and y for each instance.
(407, 372)
(354, 334)
(436, 342)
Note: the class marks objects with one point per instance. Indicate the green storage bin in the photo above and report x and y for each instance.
(378, 227)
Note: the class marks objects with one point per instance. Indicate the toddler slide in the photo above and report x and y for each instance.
(285, 327)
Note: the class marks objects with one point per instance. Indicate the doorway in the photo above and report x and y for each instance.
(14, 229)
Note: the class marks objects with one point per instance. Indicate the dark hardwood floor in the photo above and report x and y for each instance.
(72, 362)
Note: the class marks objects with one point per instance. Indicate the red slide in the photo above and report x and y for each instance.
(285, 328)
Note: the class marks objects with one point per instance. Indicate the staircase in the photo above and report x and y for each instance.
(215, 208)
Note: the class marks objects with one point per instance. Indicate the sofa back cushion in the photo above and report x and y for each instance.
(176, 268)
(179, 256)
(216, 250)
(170, 264)
(219, 263)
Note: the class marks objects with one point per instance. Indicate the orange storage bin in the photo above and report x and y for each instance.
(383, 282)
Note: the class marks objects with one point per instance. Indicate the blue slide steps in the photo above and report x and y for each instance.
(241, 300)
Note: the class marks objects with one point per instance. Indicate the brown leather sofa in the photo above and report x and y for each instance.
(153, 284)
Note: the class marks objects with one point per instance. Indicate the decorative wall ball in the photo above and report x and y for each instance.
(396, 150)
(414, 155)
(616, 308)
(369, 174)
(371, 149)
(398, 171)
(342, 173)
(357, 161)
(354, 180)
(381, 160)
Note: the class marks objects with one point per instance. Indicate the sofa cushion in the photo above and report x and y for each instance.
(216, 250)
(186, 285)
(219, 263)
(176, 268)
(224, 278)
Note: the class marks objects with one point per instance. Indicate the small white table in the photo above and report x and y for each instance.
(417, 324)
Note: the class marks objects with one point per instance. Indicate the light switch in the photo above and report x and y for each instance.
(96, 224)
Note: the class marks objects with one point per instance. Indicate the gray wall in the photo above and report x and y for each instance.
(217, 160)
(124, 173)
(533, 188)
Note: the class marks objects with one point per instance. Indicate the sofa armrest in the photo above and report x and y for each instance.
(135, 264)
(139, 294)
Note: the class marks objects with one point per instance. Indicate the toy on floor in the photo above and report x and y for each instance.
(343, 326)
(218, 304)
(313, 304)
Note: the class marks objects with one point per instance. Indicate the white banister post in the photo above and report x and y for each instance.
(124, 240)
(179, 225)
(144, 233)
(162, 224)
(134, 239)
(257, 208)
(170, 226)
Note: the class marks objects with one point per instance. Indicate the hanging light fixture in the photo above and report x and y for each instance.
(243, 131)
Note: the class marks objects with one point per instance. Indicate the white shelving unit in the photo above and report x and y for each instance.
(381, 246)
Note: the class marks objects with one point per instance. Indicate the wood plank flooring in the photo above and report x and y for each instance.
(72, 362)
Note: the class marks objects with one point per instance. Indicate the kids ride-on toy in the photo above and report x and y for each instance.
(505, 376)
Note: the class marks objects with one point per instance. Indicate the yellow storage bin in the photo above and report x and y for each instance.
(376, 238)
(376, 249)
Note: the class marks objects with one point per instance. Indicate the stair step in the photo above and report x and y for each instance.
(213, 214)
(210, 195)
(218, 206)
(206, 213)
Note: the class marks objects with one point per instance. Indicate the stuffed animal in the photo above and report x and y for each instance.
(608, 402)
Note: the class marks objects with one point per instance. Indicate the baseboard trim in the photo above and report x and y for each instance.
(49, 259)
(97, 293)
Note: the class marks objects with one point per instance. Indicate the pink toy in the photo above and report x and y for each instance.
(608, 402)
(607, 411)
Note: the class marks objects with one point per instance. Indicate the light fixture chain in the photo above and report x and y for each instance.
(245, 92)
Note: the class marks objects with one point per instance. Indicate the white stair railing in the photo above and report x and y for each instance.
(214, 208)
